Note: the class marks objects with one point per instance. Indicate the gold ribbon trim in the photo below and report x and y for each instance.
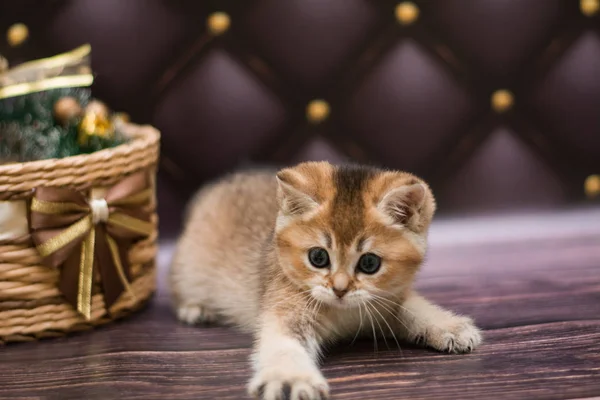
(73, 57)
(46, 84)
(62, 222)
(64, 70)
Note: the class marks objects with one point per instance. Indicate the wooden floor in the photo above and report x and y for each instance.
(532, 283)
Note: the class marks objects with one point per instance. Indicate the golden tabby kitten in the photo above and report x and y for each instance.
(309, 255)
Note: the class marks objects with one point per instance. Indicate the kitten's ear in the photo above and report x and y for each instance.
(403, 205)
(294, 199)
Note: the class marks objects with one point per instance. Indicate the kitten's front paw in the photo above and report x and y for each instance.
(285, 383)
(195, 314)
(454, 335)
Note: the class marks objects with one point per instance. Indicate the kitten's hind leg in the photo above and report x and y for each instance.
(193, 314)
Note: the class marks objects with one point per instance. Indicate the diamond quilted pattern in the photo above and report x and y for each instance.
(569, 96)
(523, 180)
(407, 107)
(128, 46)
(216, 114)
(497, 35)
(414, 97)
(307, 40)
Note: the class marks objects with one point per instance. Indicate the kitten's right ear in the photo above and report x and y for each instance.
(292, 194)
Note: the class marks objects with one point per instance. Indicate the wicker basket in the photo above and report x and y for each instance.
(32, 305)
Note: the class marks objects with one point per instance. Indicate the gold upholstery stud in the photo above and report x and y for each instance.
(502, 100)
(218, 23)
(592, 186)
(317, 111)
(589, 8)
(407, 12)
(17, 34)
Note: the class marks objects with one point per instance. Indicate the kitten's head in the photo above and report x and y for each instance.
(350, 234)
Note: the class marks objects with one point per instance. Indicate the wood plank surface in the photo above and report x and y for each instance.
(538, 301)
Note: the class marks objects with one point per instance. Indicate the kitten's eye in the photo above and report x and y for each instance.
(369, 263)
(318, 257)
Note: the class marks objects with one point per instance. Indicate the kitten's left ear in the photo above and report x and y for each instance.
(405, 205)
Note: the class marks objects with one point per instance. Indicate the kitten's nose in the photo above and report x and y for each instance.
(340, 284)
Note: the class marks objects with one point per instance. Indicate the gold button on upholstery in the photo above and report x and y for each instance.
(502, 100)
(317, 111)
(589, 8)
(592, 186)
(407, 12)
(218, 23)
(17, 34)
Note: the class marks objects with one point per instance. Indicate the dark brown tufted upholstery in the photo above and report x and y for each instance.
(414, 97)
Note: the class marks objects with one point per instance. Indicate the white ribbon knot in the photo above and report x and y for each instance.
(99, 210)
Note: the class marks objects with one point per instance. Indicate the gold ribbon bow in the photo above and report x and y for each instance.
(82, 236)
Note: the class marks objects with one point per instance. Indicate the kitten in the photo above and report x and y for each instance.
(307, 256)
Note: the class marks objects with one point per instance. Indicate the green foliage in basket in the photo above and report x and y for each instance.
(30, 131)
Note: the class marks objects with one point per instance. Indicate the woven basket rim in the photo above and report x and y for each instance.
(142, 136)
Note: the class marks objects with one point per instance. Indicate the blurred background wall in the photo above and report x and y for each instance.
(495, 102)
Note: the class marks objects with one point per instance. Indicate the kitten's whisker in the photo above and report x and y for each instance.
(372, 326)
(294, 296)
(400, 306)
(389, 327)
(387, 307)
(393, 314)
(308, 307)
(319, 309)
(393, 302)
(386, 292)
(360, 326)
(379, 325)
(386, 299)
(408, 311)
(314, 309)
(389, 302)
